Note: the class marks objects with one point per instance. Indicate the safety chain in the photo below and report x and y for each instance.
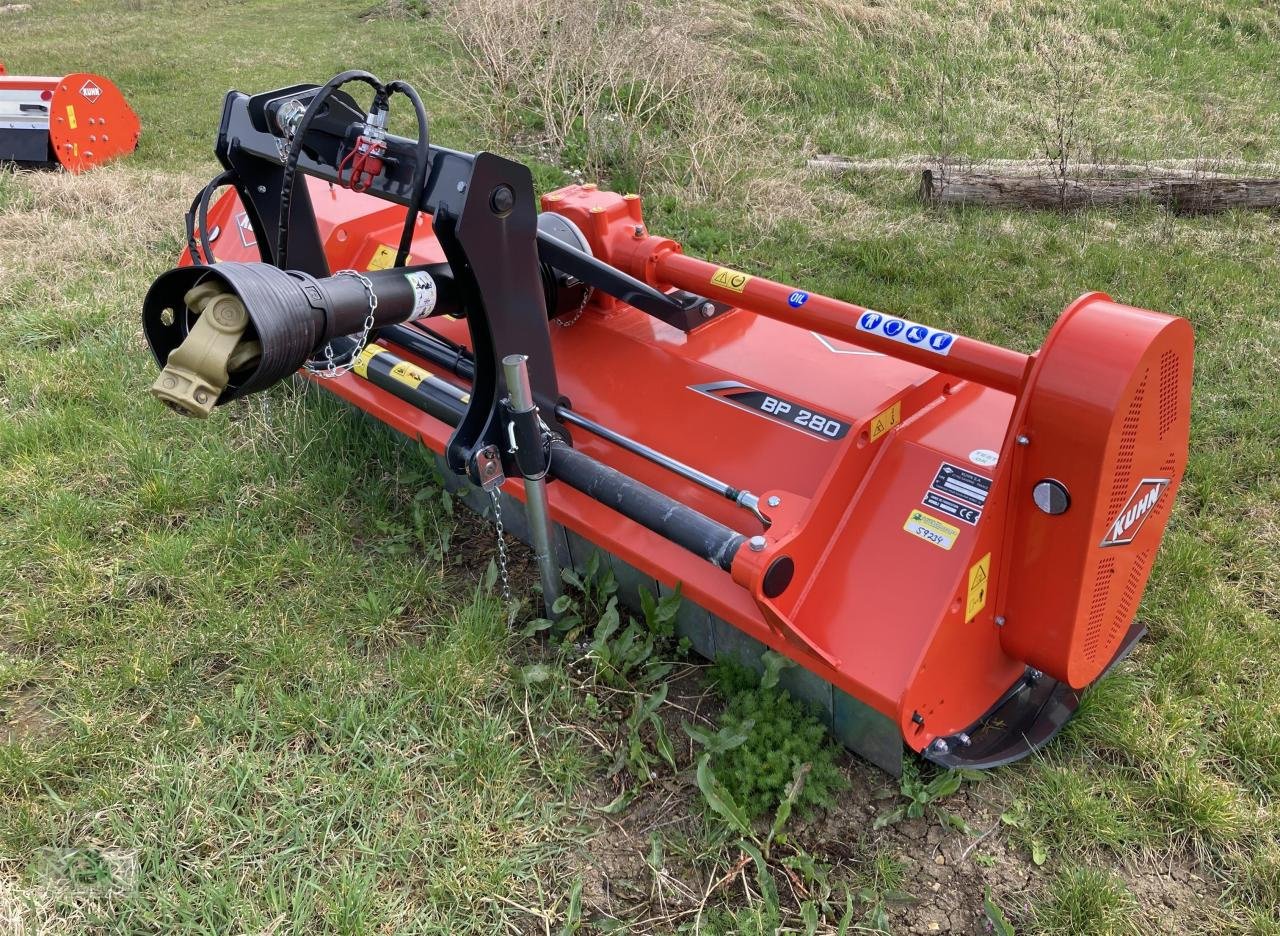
(582, 306)
(330, 368)
(502, 546)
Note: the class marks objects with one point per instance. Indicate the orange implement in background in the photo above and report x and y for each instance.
(949, 537)
(77, 121)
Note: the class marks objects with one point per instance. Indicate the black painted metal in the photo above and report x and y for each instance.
(485, 218)
(1034, 710)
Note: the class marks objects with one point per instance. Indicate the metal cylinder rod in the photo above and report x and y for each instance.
(432, 348)
(680, 524)
(742, 498)
(516, 369)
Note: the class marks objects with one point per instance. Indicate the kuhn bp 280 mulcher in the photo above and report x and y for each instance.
(949, 537)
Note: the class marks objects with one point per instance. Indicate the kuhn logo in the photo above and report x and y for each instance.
(91, 92)
(1141, 502)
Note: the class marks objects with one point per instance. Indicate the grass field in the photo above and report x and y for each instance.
(251, 680)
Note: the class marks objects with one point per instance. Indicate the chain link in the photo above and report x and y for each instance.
(582, 306)
(502, 546)
(330, 368)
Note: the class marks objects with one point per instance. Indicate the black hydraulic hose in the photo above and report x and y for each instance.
(295, 150)
(198, 217)
(420, 170)
(432, 347)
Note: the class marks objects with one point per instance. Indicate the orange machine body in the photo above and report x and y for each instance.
(898, 463)
(78, 121)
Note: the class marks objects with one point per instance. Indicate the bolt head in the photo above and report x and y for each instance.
(262, 190)
(462, 187)
(1024, 440)
(774, 501)
(502, 199)
(639, 230)
(940, 746)
(756, 543)
(708, 309)
(202, 397)
(999, 620)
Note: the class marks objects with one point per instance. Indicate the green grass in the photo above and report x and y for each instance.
(231, 651)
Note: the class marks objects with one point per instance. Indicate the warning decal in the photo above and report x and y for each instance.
(71, 117)
(408, 373)
(906, 332)
(382, 258)
(367, 354)
(885, 421)
(424, 293)
(962, 485)
(726, 278)
(979, 580)
(931, 529)
(969, 515)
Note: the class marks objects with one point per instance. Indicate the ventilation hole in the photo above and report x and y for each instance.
(1128, 601)
(1098, 606)
(1121, 483)
(1169, 366)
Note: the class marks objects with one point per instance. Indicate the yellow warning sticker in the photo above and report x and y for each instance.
(726, 278)
(886, 421)
(410, 374)
(931, 529)
(361, 365)
(382, 258)
(979, 581)
(71, 117)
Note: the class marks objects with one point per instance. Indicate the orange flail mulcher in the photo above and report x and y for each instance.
(77, 121)
(949, 537)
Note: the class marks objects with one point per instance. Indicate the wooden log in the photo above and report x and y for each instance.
(1180, 194)
(1183, 186)
(1173, 168)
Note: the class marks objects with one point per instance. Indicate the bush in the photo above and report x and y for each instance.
(781, 735)
(631, 90)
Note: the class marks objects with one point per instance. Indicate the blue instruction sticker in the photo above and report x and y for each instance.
(906, 332)
(797, 298)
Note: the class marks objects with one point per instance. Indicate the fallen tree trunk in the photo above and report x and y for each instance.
(1177, 193)
(1184, 186)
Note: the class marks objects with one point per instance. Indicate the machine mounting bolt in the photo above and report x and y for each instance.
(774, 501)
(262, 190)
(999, 620)
(708, 309)
(462, 187)
(756, 543)
(1024, 440)
(940, 746)
(502, 199)
(917, 719)
(639, 230)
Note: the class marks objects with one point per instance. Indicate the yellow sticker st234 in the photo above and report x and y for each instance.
(930, 529)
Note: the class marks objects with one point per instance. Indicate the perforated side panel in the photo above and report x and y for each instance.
(1098, 606)
(1124, 611)
(1122, 480)
(1168, 391)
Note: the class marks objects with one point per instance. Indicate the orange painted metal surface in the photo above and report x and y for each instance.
(90, 122)
(894, 599)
